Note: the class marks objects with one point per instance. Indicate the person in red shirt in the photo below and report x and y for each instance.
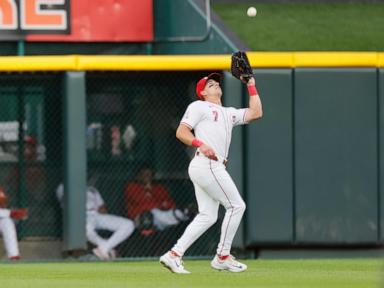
(150, 204)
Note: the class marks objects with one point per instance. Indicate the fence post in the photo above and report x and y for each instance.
(75, 161)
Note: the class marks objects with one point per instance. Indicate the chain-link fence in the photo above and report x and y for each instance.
(132, 119)
(30, 149)
(134, 159)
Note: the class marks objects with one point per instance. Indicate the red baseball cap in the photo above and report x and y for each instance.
(201, 84)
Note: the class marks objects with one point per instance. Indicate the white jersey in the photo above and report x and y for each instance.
(94, 199)
(121, 227)
(213, 123)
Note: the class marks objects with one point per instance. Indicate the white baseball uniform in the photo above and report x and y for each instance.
(122, 227)
(212, 124)
(8, 230)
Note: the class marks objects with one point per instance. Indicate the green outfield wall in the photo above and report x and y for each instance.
(315, 161)
(380, 198)
(269, 148)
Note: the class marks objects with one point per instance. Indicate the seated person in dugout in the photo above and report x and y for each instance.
(150, 204)
(7, 225)
(99, 219)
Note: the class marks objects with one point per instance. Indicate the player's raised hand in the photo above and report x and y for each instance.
(208, 151)
(251, 82)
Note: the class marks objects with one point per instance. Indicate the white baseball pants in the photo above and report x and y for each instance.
(213, 186)
(8, 230)
(122, 228)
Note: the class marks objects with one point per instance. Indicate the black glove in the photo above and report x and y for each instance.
(240, 67)
(144, 221)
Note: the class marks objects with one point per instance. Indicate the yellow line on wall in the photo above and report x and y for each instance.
(336, 59)
(38, 63)
(155, 62)
(189, 62)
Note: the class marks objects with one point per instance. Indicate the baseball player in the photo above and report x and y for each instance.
(212, 128)
(97, 218)
(7, 226)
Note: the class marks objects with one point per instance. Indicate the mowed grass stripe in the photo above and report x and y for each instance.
(261, 273)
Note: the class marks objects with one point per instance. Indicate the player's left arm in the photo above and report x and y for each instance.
(255, 109)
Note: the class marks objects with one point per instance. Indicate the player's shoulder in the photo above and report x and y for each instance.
(230, 108)
(198, 103)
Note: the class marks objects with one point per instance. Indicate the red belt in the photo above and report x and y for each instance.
(224, 161)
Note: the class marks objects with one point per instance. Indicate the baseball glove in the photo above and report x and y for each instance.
(240, 67)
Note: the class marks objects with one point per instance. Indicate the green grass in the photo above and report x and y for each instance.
(307, 26)
(349, 273)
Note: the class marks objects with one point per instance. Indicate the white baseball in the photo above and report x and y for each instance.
(251, 12)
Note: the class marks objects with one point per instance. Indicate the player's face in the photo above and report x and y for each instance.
(212, 88)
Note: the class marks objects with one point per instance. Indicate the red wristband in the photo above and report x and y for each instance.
(252, 91)
(196, 143)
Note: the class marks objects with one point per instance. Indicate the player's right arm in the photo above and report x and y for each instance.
(191, 118)
(185, 135)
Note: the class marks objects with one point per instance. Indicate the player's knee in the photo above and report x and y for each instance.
(208, 219)
(128, 226)
(89, 232)
(89, 235)
(243, 206)
(211, 219)
(211, 222)
(239, 208)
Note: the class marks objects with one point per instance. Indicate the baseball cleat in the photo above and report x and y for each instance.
(229, 264)
(173, 263)
(100, 253)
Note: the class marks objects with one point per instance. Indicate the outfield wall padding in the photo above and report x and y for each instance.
(380, 196)
(269, 162)
(314, 173)
(336, 155)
